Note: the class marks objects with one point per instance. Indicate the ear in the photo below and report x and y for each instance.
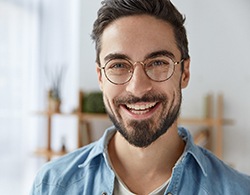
(99, 75)
(185, 74)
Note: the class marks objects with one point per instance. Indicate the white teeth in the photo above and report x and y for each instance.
(141, 106)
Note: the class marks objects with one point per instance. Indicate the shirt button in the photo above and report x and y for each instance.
(169, 193)
(104, 193)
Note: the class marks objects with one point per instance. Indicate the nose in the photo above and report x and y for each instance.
(139, 84)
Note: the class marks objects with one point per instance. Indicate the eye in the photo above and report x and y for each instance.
(157, 62)
(118, 65)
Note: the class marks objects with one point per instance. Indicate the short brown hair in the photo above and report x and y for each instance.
(111, 10)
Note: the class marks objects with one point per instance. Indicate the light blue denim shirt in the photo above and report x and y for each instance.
(86, 171)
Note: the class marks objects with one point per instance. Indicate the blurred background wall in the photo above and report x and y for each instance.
(40, 34)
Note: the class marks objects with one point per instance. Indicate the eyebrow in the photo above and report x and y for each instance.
(160, 53)
(148, 56)
(116, 56)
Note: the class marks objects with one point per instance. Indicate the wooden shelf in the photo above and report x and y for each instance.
(213, 121)
(83, 123)
(204, 121)
(48, 153)
(83, 118)
(91, 116)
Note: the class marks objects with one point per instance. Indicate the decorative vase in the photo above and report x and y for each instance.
(54, 105)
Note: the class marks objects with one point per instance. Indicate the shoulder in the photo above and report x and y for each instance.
(211, 174)
(224, 176)
(70, 174)
(60, 171)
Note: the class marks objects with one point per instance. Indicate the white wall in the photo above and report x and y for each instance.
(88, 78)
(219, 39)
(218, 33)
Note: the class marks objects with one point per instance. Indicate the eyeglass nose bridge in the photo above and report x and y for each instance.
(134, 64)
(140, 62)
(133, 69)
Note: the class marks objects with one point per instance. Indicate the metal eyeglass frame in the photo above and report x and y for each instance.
(143, 64)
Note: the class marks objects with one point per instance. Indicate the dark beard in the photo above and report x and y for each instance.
(143, 133)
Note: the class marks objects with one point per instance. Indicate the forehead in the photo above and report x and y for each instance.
(137, 36)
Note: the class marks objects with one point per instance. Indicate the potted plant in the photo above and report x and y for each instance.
(55, 78)
(92, 102)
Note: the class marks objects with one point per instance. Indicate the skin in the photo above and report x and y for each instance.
(150, 165)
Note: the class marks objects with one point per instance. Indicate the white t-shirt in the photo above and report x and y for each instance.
(121, 189)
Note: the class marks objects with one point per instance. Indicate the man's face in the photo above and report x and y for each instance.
(142, 110)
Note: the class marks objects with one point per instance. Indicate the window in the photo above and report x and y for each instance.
(18, 73)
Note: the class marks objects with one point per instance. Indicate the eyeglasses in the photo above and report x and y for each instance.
(120, 71)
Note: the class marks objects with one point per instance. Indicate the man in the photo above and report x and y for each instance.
(142, 66)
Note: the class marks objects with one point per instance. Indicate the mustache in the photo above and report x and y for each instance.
(149, 97)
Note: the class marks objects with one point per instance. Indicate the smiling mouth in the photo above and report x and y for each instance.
(141, 108)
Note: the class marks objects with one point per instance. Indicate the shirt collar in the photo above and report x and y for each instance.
(100, 147)
(192, 149)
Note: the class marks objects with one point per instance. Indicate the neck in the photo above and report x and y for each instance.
(153, 163)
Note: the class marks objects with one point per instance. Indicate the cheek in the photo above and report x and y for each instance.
(110, 92)
(174, 85)
(172, 90)
(176, 80)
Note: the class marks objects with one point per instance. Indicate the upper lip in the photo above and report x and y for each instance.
(141, 106)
